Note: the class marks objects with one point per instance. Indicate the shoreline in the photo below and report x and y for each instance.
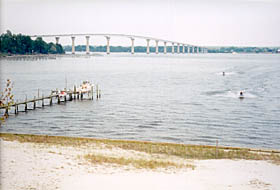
(260, 150)
(39, 161)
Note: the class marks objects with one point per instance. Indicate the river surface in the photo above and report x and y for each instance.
(163, 98)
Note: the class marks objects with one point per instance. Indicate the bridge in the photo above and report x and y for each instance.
(186, 48)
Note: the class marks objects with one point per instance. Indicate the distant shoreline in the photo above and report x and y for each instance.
(46, 56)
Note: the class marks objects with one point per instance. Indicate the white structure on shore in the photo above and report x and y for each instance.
(181, 47)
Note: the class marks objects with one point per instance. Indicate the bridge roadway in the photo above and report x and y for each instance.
(190, 48)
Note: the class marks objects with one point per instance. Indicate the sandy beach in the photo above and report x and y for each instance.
(27, 165)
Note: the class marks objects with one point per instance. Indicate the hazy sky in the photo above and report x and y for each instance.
(201, 22)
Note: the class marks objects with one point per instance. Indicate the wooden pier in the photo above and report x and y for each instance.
(68, 95)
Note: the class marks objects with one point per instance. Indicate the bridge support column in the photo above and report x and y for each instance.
(132, 45)
(183, 45)
(165, 50)
(172, 48)
(156, 46)
(192, 49)
(73, 44)
(197, 49)
(56, 39)
(178, 48)
(108, 44)
(87, 44)
(148, 46)
(188, 49)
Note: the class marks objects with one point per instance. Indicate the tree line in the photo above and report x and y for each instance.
(23, 44)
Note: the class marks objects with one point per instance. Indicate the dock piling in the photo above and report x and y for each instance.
(34, 105)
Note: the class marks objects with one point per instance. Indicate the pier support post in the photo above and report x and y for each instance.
(183, 45)
(91, 92)
(82, 96)
(43, 101)
(156, 46)
(75, 92)
(178, 48)
(192, 49)
(165, 49)
(57, 40)
(197, 49)
(87, 44)
(108, 44)
(73, 44)
(51, 101)
(34, 104)
(132, 45)
(172, 48)
(16, 109)
(65, 99)
(97, 91)
(6, 112)
(58, 99)
(148, 46)
(188, 49)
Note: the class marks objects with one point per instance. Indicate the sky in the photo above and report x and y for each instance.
(197, 22)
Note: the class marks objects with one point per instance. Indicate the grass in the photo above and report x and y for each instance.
(151, 148)
(137, 163)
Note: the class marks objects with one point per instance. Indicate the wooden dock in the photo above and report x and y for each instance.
(68, 95)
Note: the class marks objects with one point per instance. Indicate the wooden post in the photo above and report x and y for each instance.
(43, 100)
(97, 91)
(92, 92)
(99, 94)
(7, 111)
(216, 152)
(25, 109)
(82, 96)
(58, 99)
(34, 105)
(75, 92)
(65, 98)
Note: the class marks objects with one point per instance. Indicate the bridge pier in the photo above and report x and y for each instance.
(178, 48)
(148, 46)
(57, 40)
(172, 48)
(87, 44)
(188, 49)
(156, 46)
(108, 44)
(165, 50)
(73, 44)
(132, 45)
(197, 49)
(183, 45)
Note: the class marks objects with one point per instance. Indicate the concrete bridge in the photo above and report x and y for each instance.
(186, 48)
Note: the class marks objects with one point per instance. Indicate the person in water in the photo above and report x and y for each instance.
(241, 94)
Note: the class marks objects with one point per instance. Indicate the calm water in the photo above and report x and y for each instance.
(175, 98)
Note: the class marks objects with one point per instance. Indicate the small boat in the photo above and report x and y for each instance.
(61, 93)
(85, 87)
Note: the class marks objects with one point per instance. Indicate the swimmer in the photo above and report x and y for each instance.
(241, 94)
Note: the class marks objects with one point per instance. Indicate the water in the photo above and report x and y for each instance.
(166, 98)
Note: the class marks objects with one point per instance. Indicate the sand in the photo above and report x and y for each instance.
(34, 166)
